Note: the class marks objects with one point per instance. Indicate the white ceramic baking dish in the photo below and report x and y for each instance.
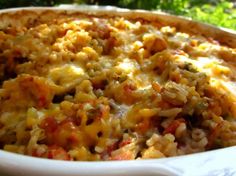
(218, 162)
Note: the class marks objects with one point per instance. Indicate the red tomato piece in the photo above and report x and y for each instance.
(55, 152)
(125, 142)
(173, 126)
(49, 124)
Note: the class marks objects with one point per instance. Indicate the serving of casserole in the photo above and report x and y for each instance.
(103, 85)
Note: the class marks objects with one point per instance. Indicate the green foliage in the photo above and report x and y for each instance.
(138, 4)
(176, 6)
(25, 3)
(223, 14)
(216, 12)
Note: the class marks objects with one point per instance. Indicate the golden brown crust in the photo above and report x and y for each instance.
(26, 16)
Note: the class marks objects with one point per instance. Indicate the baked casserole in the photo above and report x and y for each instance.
(87, 87)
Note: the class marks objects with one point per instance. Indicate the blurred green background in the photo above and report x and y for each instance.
(217, 12)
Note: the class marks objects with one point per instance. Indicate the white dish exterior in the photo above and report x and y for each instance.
(218, 162)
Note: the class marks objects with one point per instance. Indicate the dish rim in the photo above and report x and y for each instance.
(98, 167)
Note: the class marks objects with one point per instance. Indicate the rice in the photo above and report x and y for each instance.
(78, 87)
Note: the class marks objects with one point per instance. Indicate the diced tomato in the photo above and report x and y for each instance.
(67, 124)
(123, 156)
(35, 153)
(61, 134)
(73, 138)
(49, 124)
(173, 126)
(125, 142)
(55, 152)
(65, 135)
(107, 153)
(112, 147)
(143, 126)
(76, 121)
(128, 88)
(42, 101)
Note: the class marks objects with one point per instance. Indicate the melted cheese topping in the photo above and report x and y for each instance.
(97, 88)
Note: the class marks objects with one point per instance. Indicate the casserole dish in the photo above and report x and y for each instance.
(55, 132)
